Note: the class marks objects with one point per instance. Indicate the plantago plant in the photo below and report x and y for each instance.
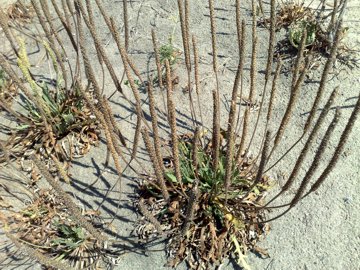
(210, 201)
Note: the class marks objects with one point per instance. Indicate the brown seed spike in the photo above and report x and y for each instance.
(154, 123)
(65, 23)
(231, 126)
(172, 122)
(195, 159)
(190, 209)
(197, 80)
(157, 58)
(156, 165)
(184, 33)
(316, 160)
(213, 35)
(216, 131)
(339, 148)
(273, 91)
(51, 40)
(126, 24)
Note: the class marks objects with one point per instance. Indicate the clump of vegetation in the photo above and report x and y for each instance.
(166, 53)
(170, 53)
(298, 29)
(52, 113)
(288, 12)
(205, 221)
(320, 25)
(47, 225)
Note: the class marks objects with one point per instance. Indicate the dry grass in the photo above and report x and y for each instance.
(320, 23)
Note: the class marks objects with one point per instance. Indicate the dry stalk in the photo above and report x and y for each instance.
(213, 35)
(65, 23)
(68, 12)
(241, 42)
(190, 209)
(238, 23)
(172, 122)
(253, 76)
(270, 57)
(251, 97)
(102, 56)
(126, 25)
(46, 11)
(273, 92)
(60, 169)
(133, 87)
(157, 57)
(187, 36)
(113, 122)
(154, 123)
(197, 80)
(184, 31)
(195, 160)
(156, 164)
(216, 131)
(92, 26)
(184, 22)
(231, 122)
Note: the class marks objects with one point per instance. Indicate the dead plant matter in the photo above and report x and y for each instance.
(47, 225)
(20, 13)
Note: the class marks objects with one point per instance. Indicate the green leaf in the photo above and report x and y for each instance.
(68, 118)
(171, 177)
(22, 127)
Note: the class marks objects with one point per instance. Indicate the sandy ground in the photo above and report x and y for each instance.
(322, 232)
